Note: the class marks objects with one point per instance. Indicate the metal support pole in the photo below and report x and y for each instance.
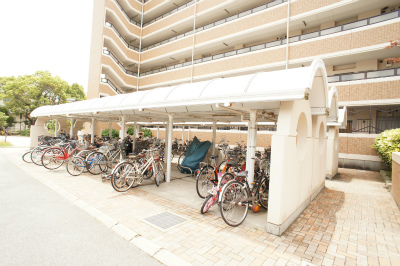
(56, 129)
(110, 127)
(121, 156)
(158, 132)
(189, 133)
(183, 134)
(214, 137)
(92, 137)
(135, 134)
(251, 146)
(169, 148)
(71, 133)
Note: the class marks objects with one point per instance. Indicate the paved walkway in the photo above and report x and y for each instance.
(353, 221)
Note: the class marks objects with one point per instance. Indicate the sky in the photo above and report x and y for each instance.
(51, 35)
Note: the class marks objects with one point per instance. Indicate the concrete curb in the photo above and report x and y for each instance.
(159, 253)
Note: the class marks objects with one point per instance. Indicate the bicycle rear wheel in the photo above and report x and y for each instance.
(124, 177)
(76, 166)
(208, 203)
(205, 181)
(263, 193)
(53, 158)
(96, 163)
(233, 209)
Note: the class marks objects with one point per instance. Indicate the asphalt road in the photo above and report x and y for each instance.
(39, 227)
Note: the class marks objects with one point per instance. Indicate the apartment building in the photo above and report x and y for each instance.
(158, 43)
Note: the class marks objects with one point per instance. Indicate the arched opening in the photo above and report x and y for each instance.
(301, 137)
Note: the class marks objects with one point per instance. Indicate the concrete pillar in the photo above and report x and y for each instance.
(290, 189)
(121, 156)
(319, 151)
(71, 133)
(251, 146)
(183, 134)
(169, 147)
(93, 126)
(189, 133)
(332, 154)
(56, 129)
(110, 129)
(214, 137)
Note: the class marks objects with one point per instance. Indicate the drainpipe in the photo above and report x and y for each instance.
(121, 156)
(287, 34)
(92, 137)
(194, 33)
(251, 146)
(140, 48)
(214, 137)
(169, 148)
(56, 129)
(72, 129)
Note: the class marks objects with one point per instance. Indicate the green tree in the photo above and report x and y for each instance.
(75, 91)
(114, 134)
(23, 94)
(3, 121)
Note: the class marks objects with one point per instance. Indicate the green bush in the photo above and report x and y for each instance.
(26, 132)
(114, 134)
(386, 143)
(130, 131)
(147, 132)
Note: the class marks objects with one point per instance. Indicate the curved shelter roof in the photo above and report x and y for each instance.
(263, 91)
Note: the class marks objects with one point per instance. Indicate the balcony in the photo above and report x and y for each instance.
(279, 43)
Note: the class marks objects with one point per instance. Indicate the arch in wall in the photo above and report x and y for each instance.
(333, 105)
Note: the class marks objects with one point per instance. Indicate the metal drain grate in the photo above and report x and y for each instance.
(164, 221)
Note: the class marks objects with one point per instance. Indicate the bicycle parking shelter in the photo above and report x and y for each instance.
(296, 101)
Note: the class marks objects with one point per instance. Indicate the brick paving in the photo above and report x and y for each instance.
(353, 221)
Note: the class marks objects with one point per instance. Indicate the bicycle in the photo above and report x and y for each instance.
(208, 176)
(130, 173)
(54, 157)
(100, 161)
(236, 197)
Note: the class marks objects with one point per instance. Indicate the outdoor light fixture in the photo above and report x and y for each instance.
(227, 104)
(141, 109)
(104, 80)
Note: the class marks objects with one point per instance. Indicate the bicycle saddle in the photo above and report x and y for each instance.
(212, 157)
(242, 174)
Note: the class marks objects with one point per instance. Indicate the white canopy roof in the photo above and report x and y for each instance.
(197, 101)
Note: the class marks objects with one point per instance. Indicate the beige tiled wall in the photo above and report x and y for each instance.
(369, 91)
(131, 27)
(106, 60)
(131, 54)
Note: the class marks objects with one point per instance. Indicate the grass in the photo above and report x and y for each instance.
(5, 144)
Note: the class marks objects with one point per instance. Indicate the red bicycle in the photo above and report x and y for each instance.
(54, 157)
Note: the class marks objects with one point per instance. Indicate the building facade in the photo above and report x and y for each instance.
(159, 43)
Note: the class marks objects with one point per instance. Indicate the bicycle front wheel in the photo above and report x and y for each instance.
(76, 166)
(53, 158)
(124, 176)
(205, 181)
(36, 155)
(96, 163)
(27, 157)
(233, 209)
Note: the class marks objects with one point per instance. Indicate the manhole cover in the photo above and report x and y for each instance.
(164, 221)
